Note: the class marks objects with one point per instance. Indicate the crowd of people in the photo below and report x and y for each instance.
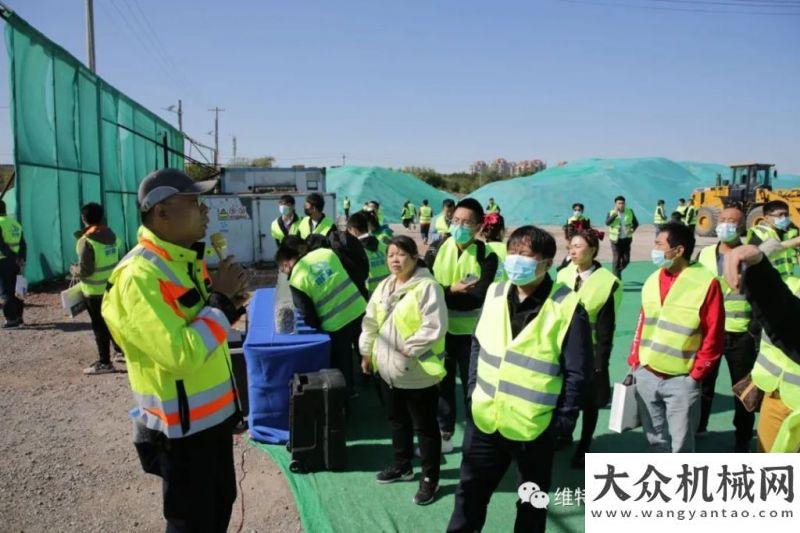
(532, 351)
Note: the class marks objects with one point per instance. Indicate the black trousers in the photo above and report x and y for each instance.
(407, 222)
(485, 461)
(12, 306)
(342, 350)
(347, 214)
(101, 334)
(457, 350)
(596, 397)
(413, 411)
(740, 354)
(424, 230)
(621, 255)
(198, 477)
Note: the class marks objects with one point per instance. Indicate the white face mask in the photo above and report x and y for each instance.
(285, 210)
(727, 232)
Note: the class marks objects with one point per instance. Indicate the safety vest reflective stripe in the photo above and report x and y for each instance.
(378, 269)
(153, 258)
(670, 326)
(783, 261)
(323, 228)
(207, 325)
(425, 214)
(658, 216)
(530, 395)
(667, 350)
(341, 307)
(737, 309)
(450, 268)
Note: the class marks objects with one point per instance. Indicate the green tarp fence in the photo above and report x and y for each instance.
(76, 140)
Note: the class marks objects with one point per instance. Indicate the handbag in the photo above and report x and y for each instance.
(624, 413)
(72, 299)
(747, 393)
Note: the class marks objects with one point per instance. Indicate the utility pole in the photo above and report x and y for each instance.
(90, 33)
(180, 115)
(234, 149)
(216, 111)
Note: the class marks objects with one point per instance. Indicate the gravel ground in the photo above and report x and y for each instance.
(66, 458)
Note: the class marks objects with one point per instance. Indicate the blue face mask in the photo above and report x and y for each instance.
(460, 234)
(660, 260)
(285, 210)
(727, 232)
(782, 223)
(520, 270)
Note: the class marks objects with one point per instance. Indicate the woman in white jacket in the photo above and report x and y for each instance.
(402, 338)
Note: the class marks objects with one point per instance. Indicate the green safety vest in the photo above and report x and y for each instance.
(737, 309)
(774, 370)
(383, 234)
(407, 320)
(346, 203)
(671, 332)
(320, 275)
(378, 268)
(573, 218)
(408, 212)
(659, 217)
(783, 261)
(106, 257)
(519, 379)
(425, 214)
(615, 225)
(449, 269)
(492, 208)
(682, 210)
(323, 228)
(594, 292)
(691, 215)
(12, 233)
(277, 232)
(501, 250)
(175, 346)
(441, 226)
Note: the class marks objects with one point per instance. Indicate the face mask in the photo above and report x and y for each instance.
(285, 210)
(782, 223)
(307, 212)
(521, 270)
(660, 260)
(461, 234)
(727, 232)
(578, 213)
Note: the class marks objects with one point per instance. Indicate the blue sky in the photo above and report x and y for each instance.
(445, 83)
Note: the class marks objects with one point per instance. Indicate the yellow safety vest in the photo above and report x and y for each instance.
(682, 210)
(346, 203)
(774, 370)
(106, 257)
(783, 261)
(277, 232)
(408, 212)
(12, 233)
(737, 309)
(519, 379)
(425, 214)
(627, 215)
(323, 228)
(407, 320)
(594, 292)
(441, 225)
(501, 250)
(659, 217)
(320, 275)
(492, 208)
(449, 269)
(691, 215)
(378, 268)
(175, 345)
(671, 332)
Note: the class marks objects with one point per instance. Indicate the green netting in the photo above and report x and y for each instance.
(76, 140)
(547, 197)
(389, 187)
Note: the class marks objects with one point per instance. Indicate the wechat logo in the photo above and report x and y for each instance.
(529, 492)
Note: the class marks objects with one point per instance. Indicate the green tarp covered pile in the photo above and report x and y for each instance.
(76, 140)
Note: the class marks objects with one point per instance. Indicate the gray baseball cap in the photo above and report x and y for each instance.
(161, 184)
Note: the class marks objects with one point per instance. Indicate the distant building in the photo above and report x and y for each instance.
(478, 167)
(501, 167)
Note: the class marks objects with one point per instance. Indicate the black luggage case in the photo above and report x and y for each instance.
(317, 421)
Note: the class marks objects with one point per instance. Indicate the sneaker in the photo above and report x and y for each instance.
(10, 324)
(99, 368)
(427, 491)
(393, 473)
